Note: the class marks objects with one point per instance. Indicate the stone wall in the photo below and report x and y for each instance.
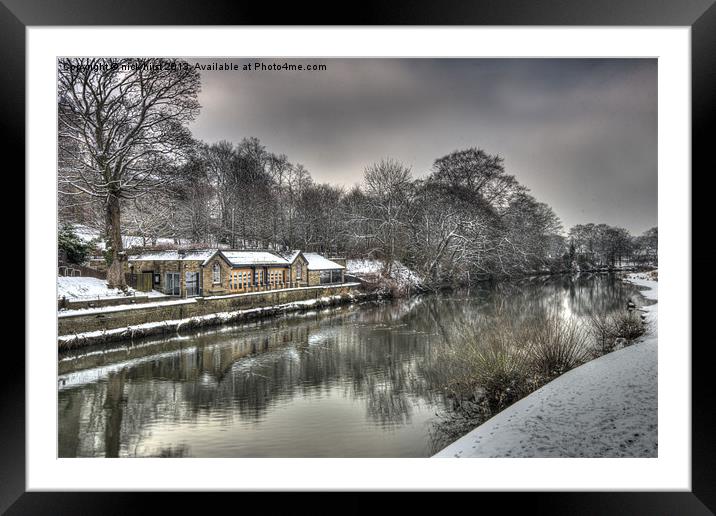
(314, 277)
(72, 304)
(113, 318)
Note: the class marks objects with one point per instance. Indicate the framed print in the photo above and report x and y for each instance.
(416, 253)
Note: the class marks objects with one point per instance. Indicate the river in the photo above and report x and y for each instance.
(343, 382)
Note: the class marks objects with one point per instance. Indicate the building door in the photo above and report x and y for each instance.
(144, 281)
(192, 284)
(171, 284)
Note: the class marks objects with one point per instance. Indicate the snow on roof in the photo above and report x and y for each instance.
(316, 262)
(254, 258)
(201, 255)
(291, 255)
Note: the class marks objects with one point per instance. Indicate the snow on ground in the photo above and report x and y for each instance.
(358, 267)
(604, 408)
(648, 281)
(399, 272)
(84, 288)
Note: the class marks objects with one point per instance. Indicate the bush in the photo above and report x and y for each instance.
(628, 325)
(76, 250)
(492, 362)
(554, 346)
(601, 327)
(608, 328)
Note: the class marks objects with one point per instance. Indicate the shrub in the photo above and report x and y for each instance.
(76, 250)
(491, 362)
(601, 327)
(628, 325)
(481, 367)
(555, 345)
(608, 328)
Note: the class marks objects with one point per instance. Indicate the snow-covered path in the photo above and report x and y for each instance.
(604, 408)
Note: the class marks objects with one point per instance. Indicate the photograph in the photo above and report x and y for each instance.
(344, 257)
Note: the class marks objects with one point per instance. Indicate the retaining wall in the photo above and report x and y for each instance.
(120, 317)
(74, 304)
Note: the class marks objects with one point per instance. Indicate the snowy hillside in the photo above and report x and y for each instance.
(401, 278)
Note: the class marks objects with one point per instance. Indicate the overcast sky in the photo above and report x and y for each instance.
(580, 133)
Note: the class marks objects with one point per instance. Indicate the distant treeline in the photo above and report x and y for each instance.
(467, 219)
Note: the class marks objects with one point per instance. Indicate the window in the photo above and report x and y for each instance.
(171, 283)
(216, 273)
(325, 276)
(299, 271)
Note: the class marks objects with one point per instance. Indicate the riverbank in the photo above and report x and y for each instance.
(604, 408)
(110, 324)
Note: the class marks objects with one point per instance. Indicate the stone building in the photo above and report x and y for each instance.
(210, 272)
(183, 273)
(322, 271)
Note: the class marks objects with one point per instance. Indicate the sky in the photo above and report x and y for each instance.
(581, 134)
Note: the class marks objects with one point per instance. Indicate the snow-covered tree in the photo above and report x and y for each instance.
(122, 133)
(388, 186)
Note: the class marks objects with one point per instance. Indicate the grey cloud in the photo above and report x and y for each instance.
(581, 133)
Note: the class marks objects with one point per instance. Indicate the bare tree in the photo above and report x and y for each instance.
(388, 186)
(122, 131)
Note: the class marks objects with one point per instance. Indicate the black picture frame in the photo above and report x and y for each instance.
(700, 15)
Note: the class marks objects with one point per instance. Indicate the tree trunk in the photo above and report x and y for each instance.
(115, 271)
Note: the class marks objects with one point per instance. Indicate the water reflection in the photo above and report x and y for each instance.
(343, 382)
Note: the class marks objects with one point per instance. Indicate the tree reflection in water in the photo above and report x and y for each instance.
(368, 360)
